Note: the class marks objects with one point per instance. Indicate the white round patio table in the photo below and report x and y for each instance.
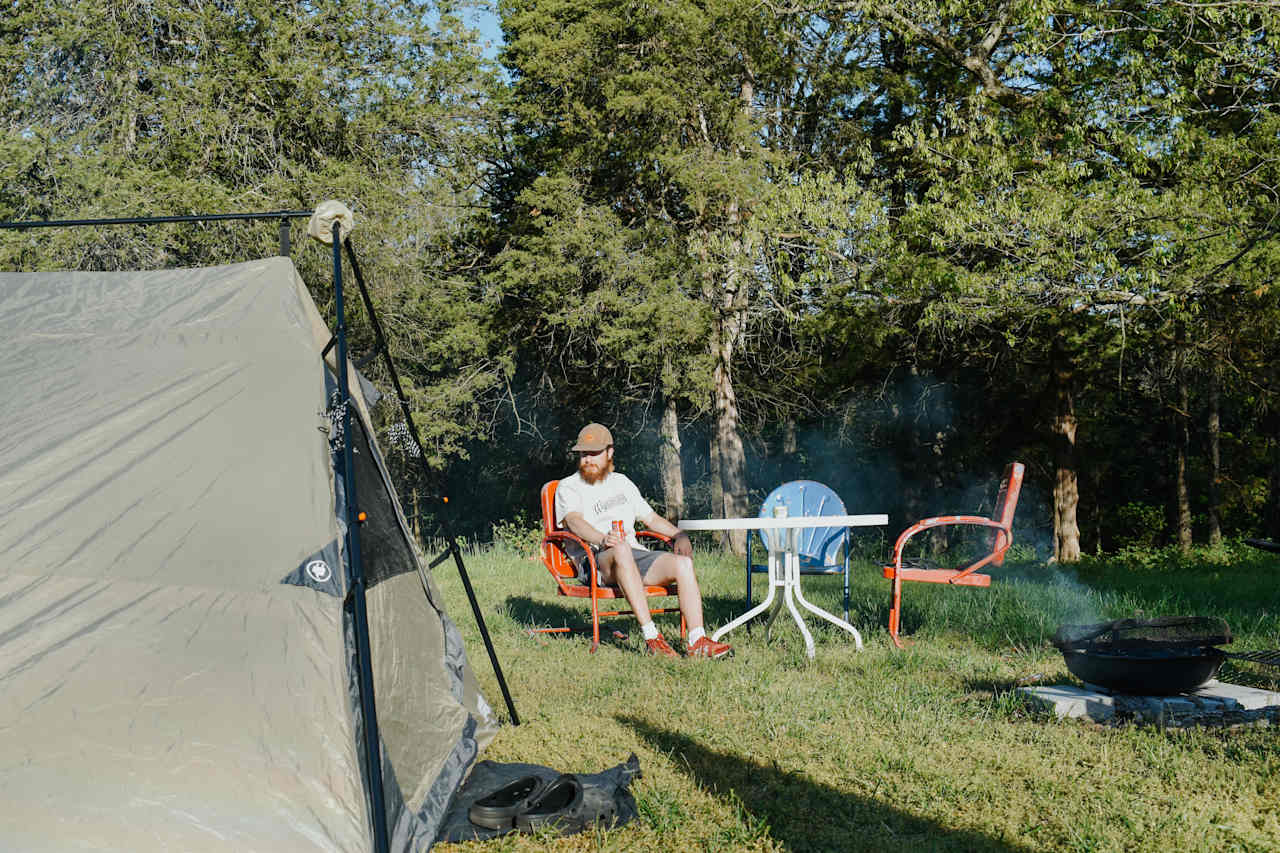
(784, 568)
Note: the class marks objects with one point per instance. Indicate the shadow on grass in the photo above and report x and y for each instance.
(1004, 697)
(1001, 686)
(575, 614)
(804, 814)
(1229, 674)
(549, 612)
(555, 611)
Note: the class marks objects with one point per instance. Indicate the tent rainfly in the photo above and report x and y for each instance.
(176, 660)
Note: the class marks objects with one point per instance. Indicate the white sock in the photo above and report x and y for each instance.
(695, 634)
(649, 630)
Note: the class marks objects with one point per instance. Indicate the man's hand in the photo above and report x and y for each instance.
(681, 545)
(612, 540)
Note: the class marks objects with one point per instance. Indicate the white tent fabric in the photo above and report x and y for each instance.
(164, 465)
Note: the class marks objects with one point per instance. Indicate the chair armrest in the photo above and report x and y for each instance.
(559, 537)
(653, 534)
(1002, 543)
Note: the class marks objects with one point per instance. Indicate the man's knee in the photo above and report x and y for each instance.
(680, 569)
(623, 560)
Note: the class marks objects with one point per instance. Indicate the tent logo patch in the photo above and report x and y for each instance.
(319, 571)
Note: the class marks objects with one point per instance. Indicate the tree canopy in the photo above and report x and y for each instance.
(889, 244)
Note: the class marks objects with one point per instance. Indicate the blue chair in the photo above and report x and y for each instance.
(819, 547)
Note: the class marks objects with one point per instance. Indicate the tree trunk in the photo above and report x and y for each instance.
(728, 442)
(1182, 424)
(672, 470)
(729, 464)
(728, 293)
(127, 113)
(416, 524)
(717, 489)
(936, 441)
(1215, 458)
(929, 440)
(1097, 512)
(1271, 514)
(1066, 488)
(788, 467)
(906, 412)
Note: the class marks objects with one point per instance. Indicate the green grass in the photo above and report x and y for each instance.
(924, 749)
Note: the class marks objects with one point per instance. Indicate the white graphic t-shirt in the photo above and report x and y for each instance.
(615, 498)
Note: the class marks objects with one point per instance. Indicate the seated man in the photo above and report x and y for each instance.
(590, 501)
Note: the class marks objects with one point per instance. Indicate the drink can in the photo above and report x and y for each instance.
(617, 528)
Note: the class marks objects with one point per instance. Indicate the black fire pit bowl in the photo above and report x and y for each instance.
(1157, 657)
(1173, 654)
(1148, 672)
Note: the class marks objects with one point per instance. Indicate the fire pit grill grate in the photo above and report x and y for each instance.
(1125, 635)
(1270, 658)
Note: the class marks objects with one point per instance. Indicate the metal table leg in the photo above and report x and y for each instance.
(830, 617)
(777, 580)
(793, 586)
(755, 611)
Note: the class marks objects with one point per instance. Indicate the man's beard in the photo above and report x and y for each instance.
(590, 476)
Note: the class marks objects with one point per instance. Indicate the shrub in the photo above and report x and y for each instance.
(1138, 525)
(520, 534)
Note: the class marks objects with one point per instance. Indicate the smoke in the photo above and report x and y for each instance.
(1033, 522)
(1067, 599)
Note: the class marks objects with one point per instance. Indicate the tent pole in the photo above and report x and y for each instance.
(356, 590)
(153, 220)
(484, 632)
(380, 341)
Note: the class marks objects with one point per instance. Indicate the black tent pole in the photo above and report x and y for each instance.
(380, 341)
(154, 220)
(284, 237)
(356, 590)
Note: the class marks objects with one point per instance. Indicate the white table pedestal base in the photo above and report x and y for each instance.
(784, 575)
(784, 568)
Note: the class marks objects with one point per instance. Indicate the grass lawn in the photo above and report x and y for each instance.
(923, 749)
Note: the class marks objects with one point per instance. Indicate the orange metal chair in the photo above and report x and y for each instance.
(1001, 524)
(562, 570)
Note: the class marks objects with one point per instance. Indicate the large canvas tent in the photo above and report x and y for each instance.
(177, 666)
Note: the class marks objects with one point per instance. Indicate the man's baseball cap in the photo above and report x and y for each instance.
(593, 437)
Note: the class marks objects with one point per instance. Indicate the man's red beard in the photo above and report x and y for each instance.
(590, 475)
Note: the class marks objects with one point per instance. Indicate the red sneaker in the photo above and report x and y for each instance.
(658, 646)
(709, 648)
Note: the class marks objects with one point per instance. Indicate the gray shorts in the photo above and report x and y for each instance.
(644, 559)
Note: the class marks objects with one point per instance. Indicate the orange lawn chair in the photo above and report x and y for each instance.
(1001, 524)
(562, 570)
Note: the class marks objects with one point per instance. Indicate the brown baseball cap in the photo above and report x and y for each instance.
(593, 437)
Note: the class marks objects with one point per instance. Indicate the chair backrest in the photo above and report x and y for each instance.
(807, 498)
(552, 557)
(1006, 504)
